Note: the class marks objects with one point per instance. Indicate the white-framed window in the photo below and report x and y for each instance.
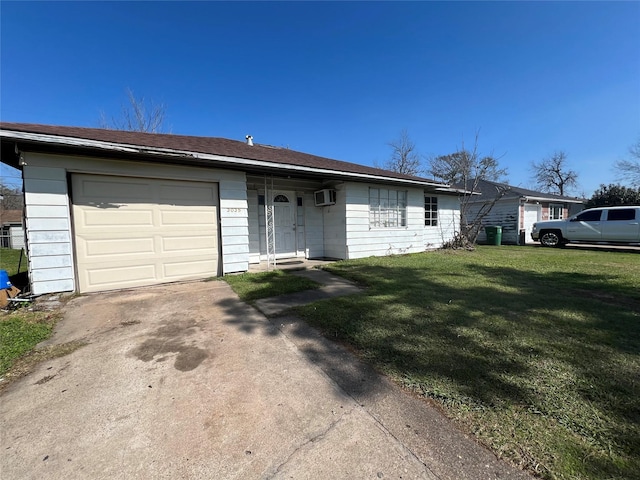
(387, 208)
(556, 211)
(430, 211)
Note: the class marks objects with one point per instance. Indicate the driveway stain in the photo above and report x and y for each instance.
(172, 338)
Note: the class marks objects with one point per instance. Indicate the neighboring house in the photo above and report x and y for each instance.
(11, 229)
(109, 209)
(517, 209)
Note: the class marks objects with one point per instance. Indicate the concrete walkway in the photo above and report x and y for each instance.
(332, 286)
(187, 382)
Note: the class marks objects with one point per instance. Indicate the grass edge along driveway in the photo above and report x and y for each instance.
(534, 351)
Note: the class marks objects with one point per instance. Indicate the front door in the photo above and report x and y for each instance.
(284, 210)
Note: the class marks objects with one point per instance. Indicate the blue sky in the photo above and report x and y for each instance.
(341, 80)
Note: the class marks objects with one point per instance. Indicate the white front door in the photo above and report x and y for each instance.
(531, 216)
(284, 211)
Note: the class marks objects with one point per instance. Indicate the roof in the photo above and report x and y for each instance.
(489, 190)
(10, 216)
(182, 149)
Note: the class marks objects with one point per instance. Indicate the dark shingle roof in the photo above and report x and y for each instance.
(208, 145)
(489, 189)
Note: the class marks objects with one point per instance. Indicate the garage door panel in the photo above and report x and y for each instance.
(186, 194)
(195, 268)
(177, 244)
(98, 191)
(186, 217)
(169, 233)
(117, 217)
(127, 276)
(118, 246)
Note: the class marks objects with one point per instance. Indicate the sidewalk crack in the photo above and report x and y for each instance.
(321, 435)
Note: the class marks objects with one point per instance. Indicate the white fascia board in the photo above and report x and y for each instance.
(231, 161)
(459, 191)
(550, 200)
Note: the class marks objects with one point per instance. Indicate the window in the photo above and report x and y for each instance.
(625, 214)
(589, 216)
(431, 211)
(556, 212)
(281, 199)
(387, 208)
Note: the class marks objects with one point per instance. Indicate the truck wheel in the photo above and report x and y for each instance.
(551, 238)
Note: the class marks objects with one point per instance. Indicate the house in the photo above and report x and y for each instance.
(109, 209)
(516, 209)
(11, 230)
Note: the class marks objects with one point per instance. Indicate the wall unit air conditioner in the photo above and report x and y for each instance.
(326, 196)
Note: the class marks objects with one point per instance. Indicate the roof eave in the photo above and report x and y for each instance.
(73, 142)
(550, 199)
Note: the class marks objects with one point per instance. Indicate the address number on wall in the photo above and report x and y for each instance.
(234, 210)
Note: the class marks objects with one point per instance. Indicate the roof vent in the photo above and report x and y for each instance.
(249, 140)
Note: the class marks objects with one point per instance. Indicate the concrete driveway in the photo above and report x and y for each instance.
(186, 381)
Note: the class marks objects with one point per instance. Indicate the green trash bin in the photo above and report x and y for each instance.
(494, 235)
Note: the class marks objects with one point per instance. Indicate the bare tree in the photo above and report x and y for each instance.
(11, 197)
(461, 166)
(628, 170)
(137, 116)
(552, 174)
(465, 169)
(404, 157)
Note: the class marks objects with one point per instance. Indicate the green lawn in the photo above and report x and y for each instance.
(252, 286)
(535, 351)
(10, 259)
(20, 330)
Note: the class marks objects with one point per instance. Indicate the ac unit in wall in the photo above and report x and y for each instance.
(326, 196)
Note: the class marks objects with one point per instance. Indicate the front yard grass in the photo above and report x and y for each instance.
(20, 332)
(22, 329)
(10, 260)
(534, 351)
(252, 286)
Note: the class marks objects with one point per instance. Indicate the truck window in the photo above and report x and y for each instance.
(589, 216)
(624, 214)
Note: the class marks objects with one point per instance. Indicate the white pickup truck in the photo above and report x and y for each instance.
(596, 225)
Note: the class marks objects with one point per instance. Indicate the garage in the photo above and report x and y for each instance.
(132, 232)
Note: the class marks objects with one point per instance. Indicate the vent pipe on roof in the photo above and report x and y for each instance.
(249, 140)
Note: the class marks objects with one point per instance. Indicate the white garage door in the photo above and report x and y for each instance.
(531, 216)
(133, 231)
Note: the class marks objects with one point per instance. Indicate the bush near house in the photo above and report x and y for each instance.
(534, 351)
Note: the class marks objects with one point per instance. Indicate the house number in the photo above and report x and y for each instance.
(234, 210)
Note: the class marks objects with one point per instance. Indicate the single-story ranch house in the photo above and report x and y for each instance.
(516, 209)
(108, 209)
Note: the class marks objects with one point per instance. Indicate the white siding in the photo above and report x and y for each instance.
(314, 228)
(48, 229)
(334, 230)
(503, 214)
(49, 234)
(364, 241)
(448, 222)
(254, 226)
(301, 232)
(16, 237)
